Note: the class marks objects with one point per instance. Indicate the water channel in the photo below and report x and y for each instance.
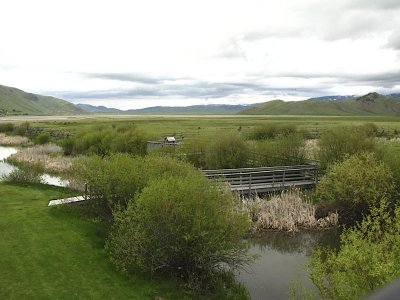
(6, 168)
(281, 260)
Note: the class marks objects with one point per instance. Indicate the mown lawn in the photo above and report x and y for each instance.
(57, 252)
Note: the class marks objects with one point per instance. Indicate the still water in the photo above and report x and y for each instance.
(6, 168)
(281, 260)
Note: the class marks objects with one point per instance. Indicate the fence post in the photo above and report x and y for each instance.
(250, 186)
(86, 190)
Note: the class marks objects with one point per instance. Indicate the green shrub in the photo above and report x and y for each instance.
(270, 131)
(195, 149)
(103, 141)
(391, 158)
(21, 129)
(338, 142)
(42, 138)
(187, 227)
(115, 180)
(6, 127)
(25, 173)
(355, 184)
(226, 150)
(368, 258)
(283, 150)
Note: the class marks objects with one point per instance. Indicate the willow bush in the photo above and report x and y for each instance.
(355, 184)
(186, 227)
(368, 258)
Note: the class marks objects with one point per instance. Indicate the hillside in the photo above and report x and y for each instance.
(211, 109)
(17, 102)
(216, 109)
(370, 104)
(98, 109)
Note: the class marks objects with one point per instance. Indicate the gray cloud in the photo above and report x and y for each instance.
(130, 77)
(166, 88)
(394, 40)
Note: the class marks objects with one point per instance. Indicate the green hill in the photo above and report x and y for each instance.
(17, 102)
(370, 104)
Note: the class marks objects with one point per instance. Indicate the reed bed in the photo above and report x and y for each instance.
(48, 155)
(14, 140)
(288, 211)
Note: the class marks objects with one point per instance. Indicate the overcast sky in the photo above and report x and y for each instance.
(133, 54)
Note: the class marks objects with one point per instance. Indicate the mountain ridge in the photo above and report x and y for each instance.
(369, 104)
(14, 101)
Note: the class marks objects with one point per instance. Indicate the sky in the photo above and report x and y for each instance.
(135, 54)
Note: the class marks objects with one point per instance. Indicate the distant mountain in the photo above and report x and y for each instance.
(211, 109)
(336, 97)
(98, 109)
(370, 104)
(17, 102)
(395, 95)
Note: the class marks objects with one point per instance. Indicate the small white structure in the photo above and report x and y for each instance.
(170, 139)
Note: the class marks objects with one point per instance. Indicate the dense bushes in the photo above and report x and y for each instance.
(6, 127)
(338, 142)
(270, 131)
(187, 227)
(283, 150)
(228, 150)
(216, 151)
(103, 141)
(368, 258)
(355, 184)
(115, 180)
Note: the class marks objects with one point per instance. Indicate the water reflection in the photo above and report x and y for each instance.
(282, 257)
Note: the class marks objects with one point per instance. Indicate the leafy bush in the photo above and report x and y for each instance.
(289, 149)
(338, 142)
(6, 127)
(25, 173)
(391, 158)
(228, 150)
(21, 129)
(368, 258)
(355, 184)
(270, 131)
(115, 180)
(187, 227)
(103, 141)
(42, 138)
(195, 150)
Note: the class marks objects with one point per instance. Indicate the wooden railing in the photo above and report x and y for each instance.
(266, 179)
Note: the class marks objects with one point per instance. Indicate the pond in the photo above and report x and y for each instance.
(281, 260)
(6, 168)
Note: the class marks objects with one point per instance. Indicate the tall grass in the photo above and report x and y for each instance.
(287, 211)
(48, 155)
(14, 140)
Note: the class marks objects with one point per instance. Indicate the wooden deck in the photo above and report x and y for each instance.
(266, 179)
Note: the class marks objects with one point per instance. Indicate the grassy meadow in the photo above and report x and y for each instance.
(158, 126)
(58, 253)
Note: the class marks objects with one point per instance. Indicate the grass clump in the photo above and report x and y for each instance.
(287, 211)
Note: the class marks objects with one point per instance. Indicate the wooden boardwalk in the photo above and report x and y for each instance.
(266, 179)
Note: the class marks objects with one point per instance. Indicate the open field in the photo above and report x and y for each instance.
(159, 125)
(55, 253)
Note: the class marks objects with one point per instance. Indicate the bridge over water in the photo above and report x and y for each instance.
(266, 179)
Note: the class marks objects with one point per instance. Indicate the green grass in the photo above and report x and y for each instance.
(57, 252)
(158, 126)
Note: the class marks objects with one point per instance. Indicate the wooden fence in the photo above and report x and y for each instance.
(266, 179)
